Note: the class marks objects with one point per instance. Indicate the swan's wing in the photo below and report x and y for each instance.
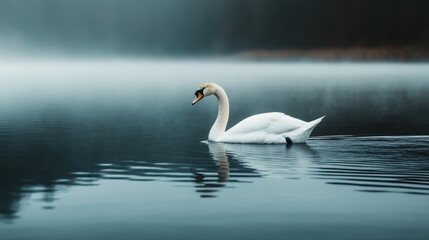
(270, 123)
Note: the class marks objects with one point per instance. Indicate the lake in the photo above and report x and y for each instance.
(113, 149)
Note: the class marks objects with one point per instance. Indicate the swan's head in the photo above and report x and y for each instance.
(205, 90)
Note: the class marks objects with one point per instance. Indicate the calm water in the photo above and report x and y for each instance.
(114, 150)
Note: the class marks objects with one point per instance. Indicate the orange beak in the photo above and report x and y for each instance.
(197, 98)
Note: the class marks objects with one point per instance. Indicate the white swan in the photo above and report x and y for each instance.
(270, 128)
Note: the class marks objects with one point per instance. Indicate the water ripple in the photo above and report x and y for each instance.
(375, 164)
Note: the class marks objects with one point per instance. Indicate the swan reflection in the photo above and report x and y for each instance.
(236, 162)
(267, 160)
(218, 153)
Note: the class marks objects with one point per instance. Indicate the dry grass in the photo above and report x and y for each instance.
(337, 54)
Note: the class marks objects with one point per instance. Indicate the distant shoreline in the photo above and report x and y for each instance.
(412, 54)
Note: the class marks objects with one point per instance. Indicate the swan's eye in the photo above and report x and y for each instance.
(201, 91)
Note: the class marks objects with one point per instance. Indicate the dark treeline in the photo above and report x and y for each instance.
(213, 26)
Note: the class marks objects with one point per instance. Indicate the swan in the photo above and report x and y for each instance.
(265, 128)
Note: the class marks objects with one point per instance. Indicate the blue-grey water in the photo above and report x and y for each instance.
(113, 149)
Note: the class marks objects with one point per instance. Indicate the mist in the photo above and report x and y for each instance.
(207, 28)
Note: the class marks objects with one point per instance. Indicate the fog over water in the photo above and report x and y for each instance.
(372, 98)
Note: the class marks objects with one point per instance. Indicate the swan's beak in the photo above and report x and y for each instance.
(198, 98)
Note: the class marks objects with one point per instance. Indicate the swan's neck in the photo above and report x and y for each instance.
(219, 127)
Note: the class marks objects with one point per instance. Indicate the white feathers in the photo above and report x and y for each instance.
(269, 128)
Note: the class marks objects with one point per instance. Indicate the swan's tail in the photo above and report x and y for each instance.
(301, 134)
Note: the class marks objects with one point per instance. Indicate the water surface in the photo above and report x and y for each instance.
(114, 149)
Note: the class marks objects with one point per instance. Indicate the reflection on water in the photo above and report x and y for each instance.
(374, 164)
(52, 145)
(207, 187)
(367, 164)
